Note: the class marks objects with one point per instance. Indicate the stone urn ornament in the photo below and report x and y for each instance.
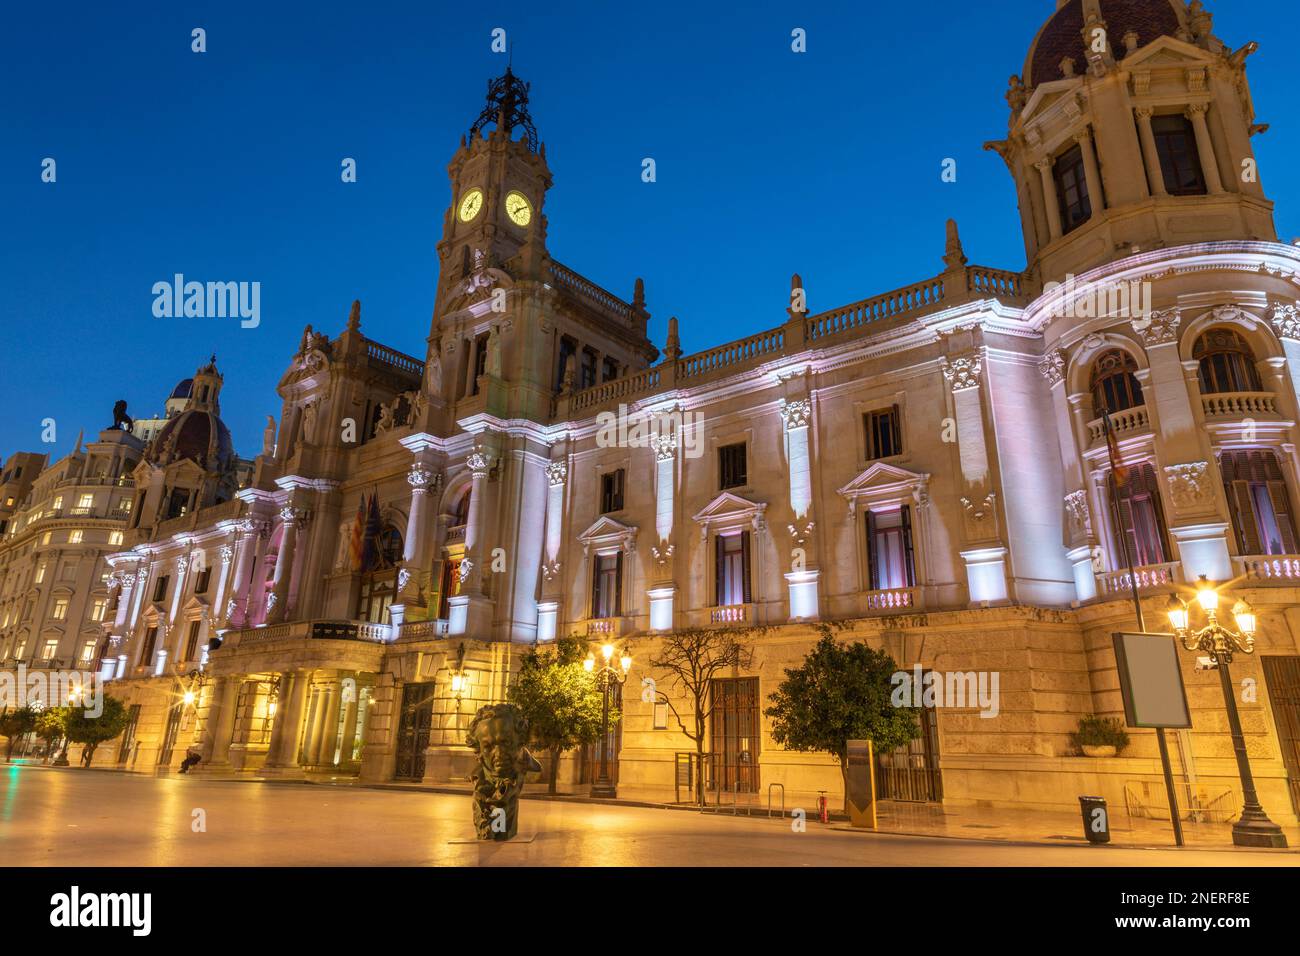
(498, 735)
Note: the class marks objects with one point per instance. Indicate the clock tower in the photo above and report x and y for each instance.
(498, 186)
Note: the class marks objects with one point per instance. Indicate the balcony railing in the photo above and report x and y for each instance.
(1239, 404)
(891, 599)
(1270, 568)
(732, 614)
(423, 630)
(455, 534)
(1121, 423)
(331, 630)
(1150, 577)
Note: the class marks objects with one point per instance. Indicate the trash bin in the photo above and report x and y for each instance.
(1096, 819)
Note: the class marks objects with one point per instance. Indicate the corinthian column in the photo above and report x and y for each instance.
(1205, 146)
(1150, 156)
(279, 598)
(471, 571)
(1044, 167)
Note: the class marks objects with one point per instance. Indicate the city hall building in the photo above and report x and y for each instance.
(927, 467)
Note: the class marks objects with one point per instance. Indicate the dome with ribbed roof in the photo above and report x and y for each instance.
(1062, 35)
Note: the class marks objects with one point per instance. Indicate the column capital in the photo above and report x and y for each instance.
(1143, 113)
(1196, 109)
(421, 480)
(478, 462)
(1160, 328)
(557, 472)
(1052, 367)
(796, 414)
(1285, 319)
(965, 371)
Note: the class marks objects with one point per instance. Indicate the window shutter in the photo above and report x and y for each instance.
(907, 544)
(1282, 511)
(1162, 534)
(618, 585)
(744, 564)
(1243, 517)
(1124, 506)
(872, 559)
(595, 586)
(896, 423)
(719, 581)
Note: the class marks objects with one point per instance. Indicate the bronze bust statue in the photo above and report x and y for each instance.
(498, 735)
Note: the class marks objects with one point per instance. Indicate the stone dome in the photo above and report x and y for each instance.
(1062, 35)
(197, 434)
(183, 389)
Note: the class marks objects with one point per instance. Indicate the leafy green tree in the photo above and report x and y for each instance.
(14, 724)
(560, 699)
(93, 731)
(50, 728)
(840, 693)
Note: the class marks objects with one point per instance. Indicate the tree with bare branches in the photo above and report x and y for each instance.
(693, 657)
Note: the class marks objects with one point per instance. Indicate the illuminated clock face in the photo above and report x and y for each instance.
(518, 209)
(470, 204)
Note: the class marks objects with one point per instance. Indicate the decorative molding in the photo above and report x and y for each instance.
(1076, 509)
(421, 480)
(965, 371)
(1285, 319)
(1052, 366)
(800, 535)
(665, 446)
(1189, 485)
(1158, 328)
(796, 414)
(557, 472)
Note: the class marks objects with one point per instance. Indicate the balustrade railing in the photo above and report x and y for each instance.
(584, 288)
(891, 599)
(1151, 577)
(1238, 404)
(391, 357)
(1270, 568)
(1133, 419)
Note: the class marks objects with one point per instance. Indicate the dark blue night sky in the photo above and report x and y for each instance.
(225, 167)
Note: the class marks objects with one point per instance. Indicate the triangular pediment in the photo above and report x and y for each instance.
(882, 478)
(606, 527)
(1165, 52)
(727, 505)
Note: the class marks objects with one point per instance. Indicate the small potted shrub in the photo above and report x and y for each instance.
(1100, 736)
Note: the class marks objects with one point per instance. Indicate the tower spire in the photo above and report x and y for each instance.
(507, 106)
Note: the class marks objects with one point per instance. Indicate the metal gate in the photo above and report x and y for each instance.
(589, 756)
(413, 730)
(128, 735)
(912, 771)
(169, 735)
(734, 730)
(1282, 675)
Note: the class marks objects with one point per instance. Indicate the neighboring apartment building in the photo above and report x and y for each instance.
(927, 465)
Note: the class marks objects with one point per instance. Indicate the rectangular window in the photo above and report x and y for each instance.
(87, 652)
(883, 433)
(40, 572)
(732, 569)
(568, 348)
(49, 649)
(1142, 518)
(160, 587)
(889, 549)
(587, 371)
(732, 466)
(202, 582)
(60, 611)
(86, 501)
(192, 642)
(146, 652)
(607, 586)
(98, 609)
(115, 537)
(57, 503)
(611, 491)
(1180, 160)
(450, 586)
(1072, 189)
(1259, 502)
(609, 369)
(74, 537)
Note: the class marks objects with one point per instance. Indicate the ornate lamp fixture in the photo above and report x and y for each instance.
(1253, 828)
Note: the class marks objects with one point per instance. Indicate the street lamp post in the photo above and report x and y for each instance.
(608, 677)
(1253, 828)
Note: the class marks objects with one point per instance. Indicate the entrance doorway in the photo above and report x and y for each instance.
(413, 730)
(912, 771)
(128, 735)
(169, 735)
(1282, 675)
(734, 735)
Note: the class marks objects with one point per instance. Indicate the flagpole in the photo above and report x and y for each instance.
(1170, 789)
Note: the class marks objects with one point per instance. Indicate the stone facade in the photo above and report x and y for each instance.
(927, 467)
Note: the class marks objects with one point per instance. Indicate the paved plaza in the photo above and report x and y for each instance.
(70, 817)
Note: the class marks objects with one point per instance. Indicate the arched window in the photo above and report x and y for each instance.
(1227, 363)
(1114, 383)
(460, 513)
(1143, 518)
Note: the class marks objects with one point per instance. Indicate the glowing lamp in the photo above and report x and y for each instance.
(188, 697)
(607, 651)
(1245, 615)
(1206, 595)
(626, 661)
(1177, 612)
(589, 664)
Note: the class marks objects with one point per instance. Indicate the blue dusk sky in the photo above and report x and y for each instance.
(225, 166)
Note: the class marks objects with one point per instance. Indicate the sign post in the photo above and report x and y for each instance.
(861, 784)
